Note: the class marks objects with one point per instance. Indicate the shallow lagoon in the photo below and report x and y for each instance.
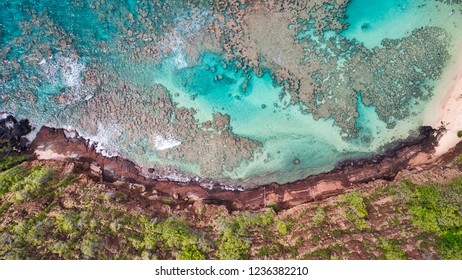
(281, 138)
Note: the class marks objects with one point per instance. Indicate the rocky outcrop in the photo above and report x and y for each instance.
(12, 135)
(347, 175)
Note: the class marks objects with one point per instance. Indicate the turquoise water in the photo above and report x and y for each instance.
(371, 21)
(146, 81)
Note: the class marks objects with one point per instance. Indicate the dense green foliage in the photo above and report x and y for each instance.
(391, 249)
(234, 241)
(6, 162)
(437, 209)
(11, 177)
(354, 208)
(86, 232)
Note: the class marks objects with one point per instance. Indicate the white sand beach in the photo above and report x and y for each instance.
(447, 110)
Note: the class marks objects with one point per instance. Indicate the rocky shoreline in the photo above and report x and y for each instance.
(54, 144)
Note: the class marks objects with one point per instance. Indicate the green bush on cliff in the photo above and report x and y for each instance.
(354, 209)
(233, 242)
(450, 244)
(232, 245)
(391, 249)
(284, 227)
(9, 161)
(234, 234)
(319, 216)
(437, 209)
(33, 185)
(172, 235)
(177, 236)
(12, 177)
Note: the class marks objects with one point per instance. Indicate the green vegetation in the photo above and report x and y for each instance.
(8, 161)
(234, 235)
(35, 184)
(284, 226)
(176, 235)
(315, 239)
(354, 209)
(9, 158)
(391, 249)
(234, 242)
(321, 253)
(273, 205)
(319, 216)
(86, 232)
(459, 133)
(167, 200)
(12, 177)
(437, 209)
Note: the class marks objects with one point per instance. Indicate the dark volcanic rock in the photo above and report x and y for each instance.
(12, 135)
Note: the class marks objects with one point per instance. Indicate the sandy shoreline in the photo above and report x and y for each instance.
(447, 110)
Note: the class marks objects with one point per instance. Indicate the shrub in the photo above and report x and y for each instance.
(172, 235)
(167, 200)
(321, 253)
(178, 236)
(436, 209)
(90, 246)
(9, 161)
(319, 215)
(233, 243)
(33, 185)
(232, 246)
(265, 219)
(391, 249)
(355, 209)
(450, 244)
(11, 177)
(284, 226)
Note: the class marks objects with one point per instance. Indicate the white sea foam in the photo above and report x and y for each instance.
(70, 132)
(186, 27)
(71, 71)
(4, 116)
(161, 143)
(166, 173)
(104, 140)
(180, 60)
(59, 69)
(66, 72)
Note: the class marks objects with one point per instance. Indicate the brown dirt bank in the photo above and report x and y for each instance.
(406, 155)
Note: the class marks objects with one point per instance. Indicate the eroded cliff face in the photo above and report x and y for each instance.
(66, 146)
(106, 207)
